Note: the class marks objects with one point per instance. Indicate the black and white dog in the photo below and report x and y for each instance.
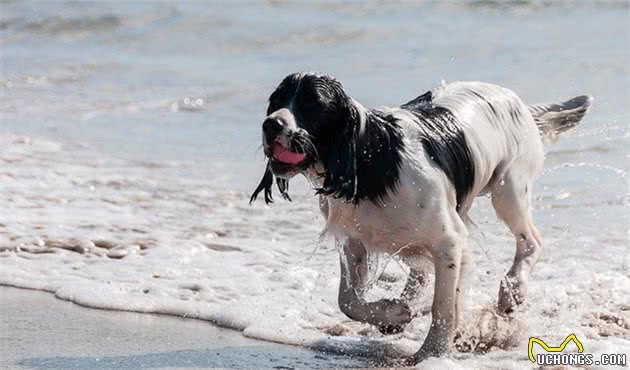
(402, 180)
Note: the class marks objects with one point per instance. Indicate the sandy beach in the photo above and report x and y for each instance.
(38, 331)
(130, 143)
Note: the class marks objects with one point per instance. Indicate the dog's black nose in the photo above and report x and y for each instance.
(272, 127)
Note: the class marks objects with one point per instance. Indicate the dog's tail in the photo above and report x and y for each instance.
(554, 119)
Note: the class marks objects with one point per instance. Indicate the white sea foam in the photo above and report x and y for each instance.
(168, 228)
(122, 235)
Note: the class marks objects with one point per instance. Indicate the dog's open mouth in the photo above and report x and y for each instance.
(286, 156)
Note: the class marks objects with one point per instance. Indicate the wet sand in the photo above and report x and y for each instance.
(38, 331)
(130, 143)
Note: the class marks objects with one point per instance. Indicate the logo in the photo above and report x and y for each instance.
(560, 348)
(554, 355)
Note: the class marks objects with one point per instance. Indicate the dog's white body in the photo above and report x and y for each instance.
(419, 218)
(412, 212)
(425, 213)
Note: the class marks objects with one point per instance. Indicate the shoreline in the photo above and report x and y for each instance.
(40, 331)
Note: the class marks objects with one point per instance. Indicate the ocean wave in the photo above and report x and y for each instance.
(56, 24)
(120, 235)
(77, 23)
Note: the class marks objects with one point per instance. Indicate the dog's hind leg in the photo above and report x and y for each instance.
(511, 198)
(389, 315)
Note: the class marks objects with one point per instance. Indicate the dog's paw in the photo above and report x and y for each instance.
(511, 295)
(465, 342)
(395, 316)
(391, 329)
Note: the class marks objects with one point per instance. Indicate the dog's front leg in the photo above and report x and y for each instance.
(389, 315)
(447, 257)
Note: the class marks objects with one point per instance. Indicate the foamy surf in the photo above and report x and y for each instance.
(178, 91)
(121, 235)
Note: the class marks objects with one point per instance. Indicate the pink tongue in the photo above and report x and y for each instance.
(281, 154)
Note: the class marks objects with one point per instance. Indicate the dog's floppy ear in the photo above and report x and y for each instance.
(266, 183)
(283, 187)
(341, 166)
(364, 161)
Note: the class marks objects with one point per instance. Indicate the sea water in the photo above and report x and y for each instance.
(130, 142)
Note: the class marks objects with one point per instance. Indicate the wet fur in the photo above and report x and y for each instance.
(401, 181)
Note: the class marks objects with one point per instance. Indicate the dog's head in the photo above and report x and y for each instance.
(313, 125)
(306, 113)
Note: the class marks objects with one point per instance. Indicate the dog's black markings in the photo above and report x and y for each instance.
(283, 187)
(361, 150)
(422, 102)
(444, 141)
(365, 165)
(266, 183)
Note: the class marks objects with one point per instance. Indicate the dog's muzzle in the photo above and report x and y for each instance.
(272, 127)
(278, 132)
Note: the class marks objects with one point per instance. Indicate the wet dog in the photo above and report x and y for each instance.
(401, 181)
